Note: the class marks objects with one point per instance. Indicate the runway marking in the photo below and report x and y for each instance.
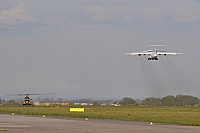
(13, 125)
(3, 129)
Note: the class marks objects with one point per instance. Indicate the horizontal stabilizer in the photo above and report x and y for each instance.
(156, 45)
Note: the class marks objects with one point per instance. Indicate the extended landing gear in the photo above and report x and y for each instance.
(152, 58)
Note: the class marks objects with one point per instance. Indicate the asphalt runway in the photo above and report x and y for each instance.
(31, 124)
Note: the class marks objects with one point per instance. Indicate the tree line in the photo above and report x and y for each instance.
(170, 100)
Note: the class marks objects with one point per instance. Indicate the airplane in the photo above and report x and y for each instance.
(153, 54)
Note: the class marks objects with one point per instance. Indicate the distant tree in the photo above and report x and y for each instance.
(127, 101)
(115, 102)
(11, 102)
(169, 101)
(52, 101)
(186, 100)
(96, 103)
(151, 101)
(59, 100)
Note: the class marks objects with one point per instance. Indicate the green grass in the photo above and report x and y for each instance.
(170, 115)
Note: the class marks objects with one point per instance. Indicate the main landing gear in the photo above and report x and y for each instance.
(152, 58)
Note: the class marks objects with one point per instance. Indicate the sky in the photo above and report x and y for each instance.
(74, 48)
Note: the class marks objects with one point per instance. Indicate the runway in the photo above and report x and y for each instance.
(32, 124)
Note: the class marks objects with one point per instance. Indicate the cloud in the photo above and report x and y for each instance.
(15, 15)
(107, 12)
(157, 12)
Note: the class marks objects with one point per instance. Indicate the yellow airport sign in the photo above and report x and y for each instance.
(77, 109)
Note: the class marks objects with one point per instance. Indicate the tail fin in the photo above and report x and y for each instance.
(156, 46)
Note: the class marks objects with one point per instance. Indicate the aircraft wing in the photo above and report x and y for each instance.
(167, 53)
(138, 53)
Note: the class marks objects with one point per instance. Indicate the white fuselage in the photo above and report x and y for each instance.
(153, 56)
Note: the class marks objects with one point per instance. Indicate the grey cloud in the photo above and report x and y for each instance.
(15, 15)
(179, 13)
(109, 12)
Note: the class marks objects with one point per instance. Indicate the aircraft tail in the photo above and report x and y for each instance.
(156, 46)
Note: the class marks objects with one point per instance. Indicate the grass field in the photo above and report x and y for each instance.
(170, 115)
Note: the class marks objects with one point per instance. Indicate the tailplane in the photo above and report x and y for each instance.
(156, 46)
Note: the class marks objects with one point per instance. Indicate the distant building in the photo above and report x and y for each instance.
(84, 104)
(37, 103)
(50, 103)
(103, 104)
(64, 103)
(115, 104)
